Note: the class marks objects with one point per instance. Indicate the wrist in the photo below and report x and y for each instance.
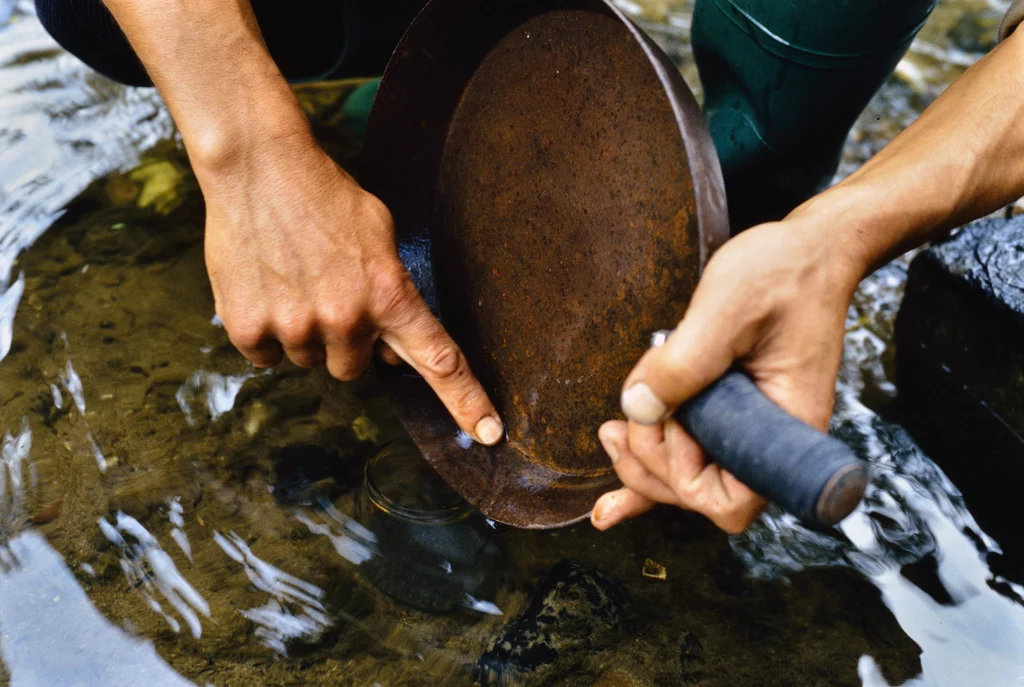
(830, 230)
(222, 145)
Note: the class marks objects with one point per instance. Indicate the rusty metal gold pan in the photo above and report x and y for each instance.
(556, 195)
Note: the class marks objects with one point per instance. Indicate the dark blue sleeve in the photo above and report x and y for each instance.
(308, 39)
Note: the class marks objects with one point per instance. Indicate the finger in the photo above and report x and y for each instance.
(419, 339)
(309, 356)
(387, 354)
(685, 460)
(265, 355)
(647, 444)
(619, 505)
(633, 474)
(704, 487)
(256, 343)
(698, 352)
(347, 360)
(728, 503)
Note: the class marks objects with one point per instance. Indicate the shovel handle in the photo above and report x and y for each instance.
(812, 475)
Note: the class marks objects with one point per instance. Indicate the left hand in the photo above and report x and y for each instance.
(773, 299)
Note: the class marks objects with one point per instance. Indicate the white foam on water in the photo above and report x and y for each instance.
(53, 635)
(56, 140)
(295, 609)
(15, 466)
(9, 301)
(215, 391)
(101, 460)
(486, 607)
(175, 513)
(149, 568)
(352, 541)
(58, 397)
(73, 384)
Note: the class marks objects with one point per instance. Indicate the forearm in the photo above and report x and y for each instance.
(210, 64)
(963, 158)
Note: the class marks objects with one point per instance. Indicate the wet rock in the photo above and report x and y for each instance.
(576, 611)
(960, 364)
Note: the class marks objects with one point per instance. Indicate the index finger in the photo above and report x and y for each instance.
(420, 340)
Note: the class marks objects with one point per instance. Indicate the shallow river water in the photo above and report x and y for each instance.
(170, 517)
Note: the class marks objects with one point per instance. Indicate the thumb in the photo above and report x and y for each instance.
(697, 353)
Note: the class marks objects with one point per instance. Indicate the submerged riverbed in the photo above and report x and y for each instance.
(168, 516)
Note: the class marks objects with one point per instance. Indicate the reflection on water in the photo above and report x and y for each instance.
(9, 300)
(15, 471)
(147, 566)
(53, 147)
(278, 620)
(183, 520)
(216, 391)
(53, 635)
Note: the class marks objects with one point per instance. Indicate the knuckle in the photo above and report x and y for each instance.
(444, 361)
(340, 323)
(294, 331)
(462, 401)
(247, 334)
(395, 293)
(688, 492)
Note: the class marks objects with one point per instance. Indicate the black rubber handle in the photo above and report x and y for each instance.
(812, 475)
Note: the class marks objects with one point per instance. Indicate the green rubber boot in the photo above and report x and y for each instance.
(358, 106)
(784, 82)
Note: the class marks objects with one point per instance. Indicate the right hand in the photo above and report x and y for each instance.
(303, 264)
(773, 300)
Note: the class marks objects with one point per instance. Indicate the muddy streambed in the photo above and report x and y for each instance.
(170, 517)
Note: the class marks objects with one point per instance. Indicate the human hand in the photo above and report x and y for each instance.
(774, 300)
(303, 264)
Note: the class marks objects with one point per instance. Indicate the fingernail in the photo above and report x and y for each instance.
(641, 405)
(601, 508)
(609, 447)
(489, 431)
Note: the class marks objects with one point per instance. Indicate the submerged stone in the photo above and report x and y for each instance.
(960, 364)
(575, 611)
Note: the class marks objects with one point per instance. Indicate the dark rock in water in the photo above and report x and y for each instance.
(960, 366)
(575, 611)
